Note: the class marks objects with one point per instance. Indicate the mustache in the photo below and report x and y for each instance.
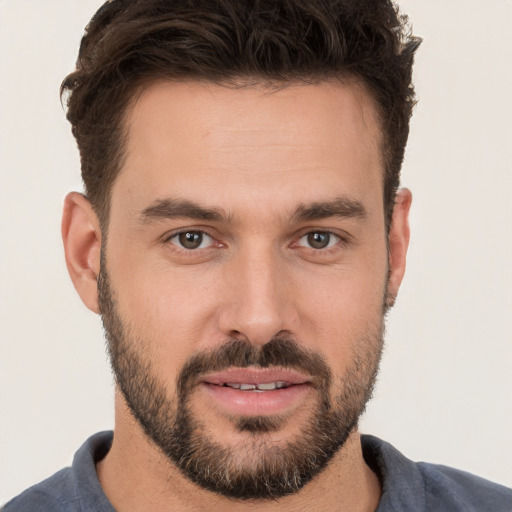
(278, 351)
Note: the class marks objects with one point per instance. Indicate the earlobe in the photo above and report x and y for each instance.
(399, 235)
(81, 235)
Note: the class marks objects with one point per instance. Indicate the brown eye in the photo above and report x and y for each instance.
(318, 240)
(191, 240)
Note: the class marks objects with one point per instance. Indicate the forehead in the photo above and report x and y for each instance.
(202, 141)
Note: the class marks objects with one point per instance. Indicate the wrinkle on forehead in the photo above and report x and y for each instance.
(211, 100)
(238, 146)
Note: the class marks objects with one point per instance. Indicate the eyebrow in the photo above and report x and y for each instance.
(340, 207)
(180, 208)
(170, 208)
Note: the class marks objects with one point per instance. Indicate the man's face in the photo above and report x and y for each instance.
(245, 275)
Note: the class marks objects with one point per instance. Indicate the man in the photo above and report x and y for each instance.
(242, 237)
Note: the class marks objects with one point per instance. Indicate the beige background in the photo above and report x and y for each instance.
(445, 392)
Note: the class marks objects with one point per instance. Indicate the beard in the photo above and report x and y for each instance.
(259, 468)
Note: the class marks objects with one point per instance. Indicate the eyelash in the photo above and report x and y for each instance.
(338, 241)
(190, 231)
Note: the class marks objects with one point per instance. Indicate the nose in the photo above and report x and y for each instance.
(258, 301)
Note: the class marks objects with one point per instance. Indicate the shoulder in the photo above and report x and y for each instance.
(55, 494)
(418, 486)
(73, 489)
(463, 490)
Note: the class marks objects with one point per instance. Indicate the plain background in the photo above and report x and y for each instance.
(445, 390)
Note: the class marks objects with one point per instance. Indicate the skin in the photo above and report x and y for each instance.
(258, 155)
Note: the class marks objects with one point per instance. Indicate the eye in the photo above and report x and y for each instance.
(318, 240)
(191, 240)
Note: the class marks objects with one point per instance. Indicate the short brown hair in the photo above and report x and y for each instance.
(131, 43)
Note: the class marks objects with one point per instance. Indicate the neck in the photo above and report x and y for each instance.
(136, 476)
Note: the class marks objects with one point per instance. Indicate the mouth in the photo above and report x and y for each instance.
(256, 391)
(261, 387)
(257, 379)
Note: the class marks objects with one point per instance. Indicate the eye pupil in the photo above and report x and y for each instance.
(190, 239)
(319, 240)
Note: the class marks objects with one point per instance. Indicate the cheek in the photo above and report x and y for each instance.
(174, 310)
(166, 310)
(341, 310)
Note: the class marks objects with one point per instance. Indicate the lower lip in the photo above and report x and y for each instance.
(257, 403)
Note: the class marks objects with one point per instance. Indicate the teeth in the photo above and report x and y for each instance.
(268, 387)
(273, 385)
(258, 387)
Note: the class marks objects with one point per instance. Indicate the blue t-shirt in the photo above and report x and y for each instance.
(406, 486)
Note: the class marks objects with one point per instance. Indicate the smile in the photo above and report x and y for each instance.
(270, 386)
(256, 391)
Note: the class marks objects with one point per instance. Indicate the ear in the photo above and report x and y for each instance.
(398, 241)
(81, 235)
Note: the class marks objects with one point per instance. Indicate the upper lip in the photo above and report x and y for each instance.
(253, 375)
